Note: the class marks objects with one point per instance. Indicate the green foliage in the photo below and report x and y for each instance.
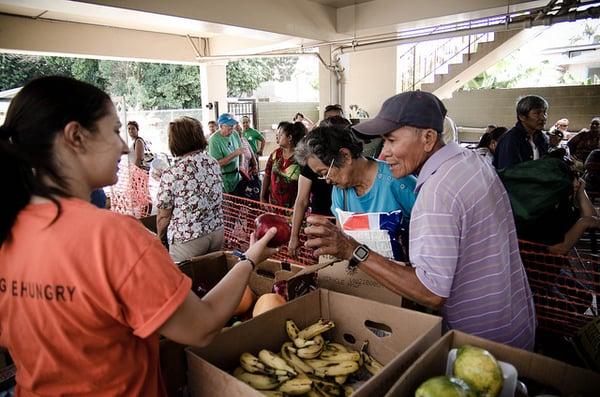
(245, 75)
(145, 85)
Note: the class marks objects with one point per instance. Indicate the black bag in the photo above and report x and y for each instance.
(249, 187)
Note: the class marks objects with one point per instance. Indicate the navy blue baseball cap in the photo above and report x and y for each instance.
(227, 119)
(413, 108)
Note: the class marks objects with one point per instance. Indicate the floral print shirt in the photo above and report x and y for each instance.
(283, 174)
(193, 188)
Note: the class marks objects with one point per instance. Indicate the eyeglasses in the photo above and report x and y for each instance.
(328, 171)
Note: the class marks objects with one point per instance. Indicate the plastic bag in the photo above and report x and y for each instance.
(384, 232)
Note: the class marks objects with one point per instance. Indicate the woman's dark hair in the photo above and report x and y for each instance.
(325, 143)
(493, 135)
(133, 123)
(497, 133)
(295, 131)
(338, 121)
(296, 116)
(185, 136)
(37, 114)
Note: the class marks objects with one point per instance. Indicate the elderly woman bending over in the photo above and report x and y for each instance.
(360, 184)
(190, 194)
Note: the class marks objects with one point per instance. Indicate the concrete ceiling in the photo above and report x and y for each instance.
(179, 30)
(339, 3)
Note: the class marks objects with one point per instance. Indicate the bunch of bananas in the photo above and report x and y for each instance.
(306, 365)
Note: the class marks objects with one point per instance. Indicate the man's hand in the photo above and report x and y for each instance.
(327, 239)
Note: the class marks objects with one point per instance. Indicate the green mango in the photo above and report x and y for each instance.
(443, 386)
(480, 370)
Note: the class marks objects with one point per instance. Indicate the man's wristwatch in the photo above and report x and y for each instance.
(360, 254)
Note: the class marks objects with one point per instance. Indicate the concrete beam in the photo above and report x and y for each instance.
(18, 34)
(380, 16)
(21, 34)
(298, 18)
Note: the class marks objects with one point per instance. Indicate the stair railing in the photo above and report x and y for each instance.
(416, 67)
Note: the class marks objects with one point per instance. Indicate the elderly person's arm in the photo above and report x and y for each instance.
(163, 218)
(230, 157)
(139, 151)
(300, 205)
(330, 240)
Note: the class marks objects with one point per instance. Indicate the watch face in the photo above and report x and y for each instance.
(361, 253)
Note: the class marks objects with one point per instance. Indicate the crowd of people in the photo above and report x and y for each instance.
(115, 288)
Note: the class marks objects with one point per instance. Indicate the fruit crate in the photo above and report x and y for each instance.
(565, 287)
(239, 215)
(540, 375)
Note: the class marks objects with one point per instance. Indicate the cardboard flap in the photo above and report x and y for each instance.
(365, 324)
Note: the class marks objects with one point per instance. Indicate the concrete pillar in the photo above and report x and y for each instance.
(371, 78)
(213, 82)
(327, 82)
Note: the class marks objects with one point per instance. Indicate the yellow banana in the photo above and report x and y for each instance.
(300, 343)
(315, 329)
(339, 356)
(272, 393)
(251, 363)
(257, 381)
(348, 390)
(314, 393)
(291, 329)
(342, 368)
(293, 360)
(341, 379)
(283, 378)
(336, 347)
(326, 388)
(296, 386)
(314, 350)
(372, 365)
(274, 361)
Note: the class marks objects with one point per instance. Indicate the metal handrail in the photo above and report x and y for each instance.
(445, 61)
(410, 75)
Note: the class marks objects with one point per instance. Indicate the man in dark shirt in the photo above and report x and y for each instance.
(525, 141)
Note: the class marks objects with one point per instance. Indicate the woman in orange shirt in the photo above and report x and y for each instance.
(84, 292)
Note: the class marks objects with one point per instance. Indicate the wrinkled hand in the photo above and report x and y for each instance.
(327, 239)
(258, 250)
(293, 247)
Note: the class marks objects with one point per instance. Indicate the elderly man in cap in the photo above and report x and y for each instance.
(226, 148)
(464, 254)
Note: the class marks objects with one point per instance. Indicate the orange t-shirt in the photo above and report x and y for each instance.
(81, 300)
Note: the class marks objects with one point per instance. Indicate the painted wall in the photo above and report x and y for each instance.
(482, 107)
(371, 78)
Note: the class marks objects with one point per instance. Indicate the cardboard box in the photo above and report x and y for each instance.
(209, 270)
(566, 379)
(587, 343)
(337, 278)
(410, 333)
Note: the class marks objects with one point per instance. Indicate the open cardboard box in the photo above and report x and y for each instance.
(336, 278)
(567, 379)
(409, 334)
(209, 269)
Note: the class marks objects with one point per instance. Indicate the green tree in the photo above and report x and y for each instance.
(244, 76)
(144, 85)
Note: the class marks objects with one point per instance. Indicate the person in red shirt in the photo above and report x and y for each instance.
(84, 292)
(280, 182)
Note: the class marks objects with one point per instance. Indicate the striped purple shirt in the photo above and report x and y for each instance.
(464, 247)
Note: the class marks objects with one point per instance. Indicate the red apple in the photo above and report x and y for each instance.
(267, 221)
